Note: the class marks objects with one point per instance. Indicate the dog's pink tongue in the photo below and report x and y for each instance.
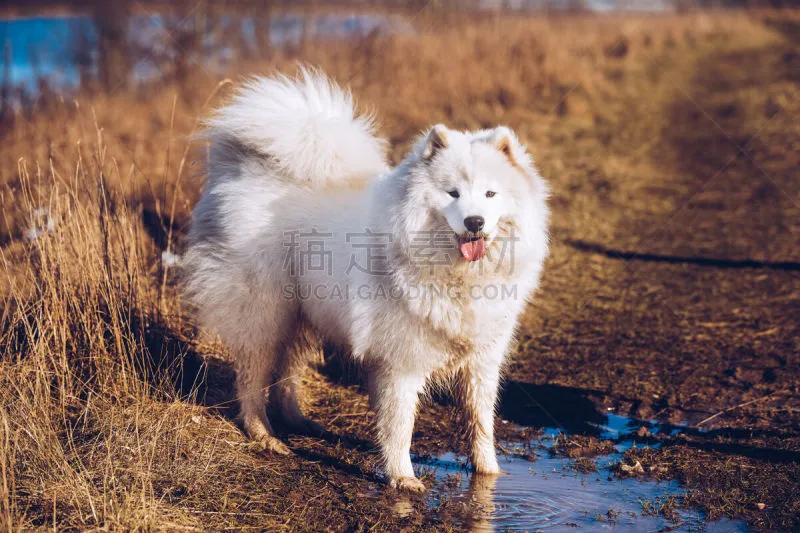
(472, 250)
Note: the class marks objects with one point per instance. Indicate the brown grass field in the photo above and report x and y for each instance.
(672, 144)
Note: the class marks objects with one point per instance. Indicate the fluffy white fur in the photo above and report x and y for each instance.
(293, 165)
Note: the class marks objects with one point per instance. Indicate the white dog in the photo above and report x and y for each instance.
(421, 272)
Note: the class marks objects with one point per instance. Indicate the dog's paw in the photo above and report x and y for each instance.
(271, 444)
(411, 484)
(487, 466)
(489, 471)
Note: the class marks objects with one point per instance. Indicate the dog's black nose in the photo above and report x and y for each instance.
(474, 224)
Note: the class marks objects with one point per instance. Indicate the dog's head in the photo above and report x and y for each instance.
(477, 184)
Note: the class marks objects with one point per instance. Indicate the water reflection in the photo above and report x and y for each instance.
(481, 503)
(540, 490)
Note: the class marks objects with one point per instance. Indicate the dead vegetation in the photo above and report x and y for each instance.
(115, 413)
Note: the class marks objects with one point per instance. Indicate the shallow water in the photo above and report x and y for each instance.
(544, 492)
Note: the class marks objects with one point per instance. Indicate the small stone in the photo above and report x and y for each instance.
(761, 506)
(643, 432)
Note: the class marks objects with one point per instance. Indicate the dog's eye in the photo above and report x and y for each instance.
(490, 194)
(453, 193)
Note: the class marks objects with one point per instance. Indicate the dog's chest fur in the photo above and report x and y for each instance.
(453, 319)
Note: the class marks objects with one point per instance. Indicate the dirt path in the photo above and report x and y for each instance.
(688, 304)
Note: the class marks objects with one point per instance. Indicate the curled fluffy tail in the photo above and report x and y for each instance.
(306, 128)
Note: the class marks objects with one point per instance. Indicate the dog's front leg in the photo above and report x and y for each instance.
(478, 384)
(395, 399)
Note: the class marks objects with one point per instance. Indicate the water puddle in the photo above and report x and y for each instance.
(543, 491)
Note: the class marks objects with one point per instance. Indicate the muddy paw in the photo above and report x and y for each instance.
(485, 462)
(271, 444)
(488, 468)
(408, 483)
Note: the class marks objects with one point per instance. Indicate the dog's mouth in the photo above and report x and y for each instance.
(472, 246)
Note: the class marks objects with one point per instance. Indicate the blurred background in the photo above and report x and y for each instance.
(51, 47)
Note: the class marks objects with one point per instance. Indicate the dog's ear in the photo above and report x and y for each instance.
(506, 142)
(435, 141)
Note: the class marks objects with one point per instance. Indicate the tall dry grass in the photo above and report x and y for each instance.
(102, 425)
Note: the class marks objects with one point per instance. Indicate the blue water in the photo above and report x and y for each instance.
(59, 50)
(540, 491)
(51, 48)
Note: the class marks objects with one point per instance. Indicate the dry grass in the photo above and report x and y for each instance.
(113, 411)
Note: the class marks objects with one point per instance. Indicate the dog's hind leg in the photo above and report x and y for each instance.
(285, 391)
(255, 362)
